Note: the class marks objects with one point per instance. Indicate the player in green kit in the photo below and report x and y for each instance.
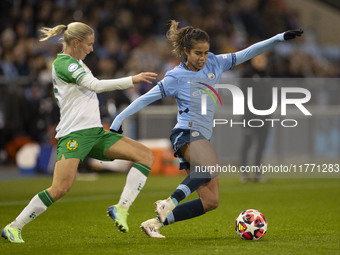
(80, 132)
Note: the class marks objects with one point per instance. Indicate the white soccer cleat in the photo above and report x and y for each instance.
(164, 208)
(152, 228)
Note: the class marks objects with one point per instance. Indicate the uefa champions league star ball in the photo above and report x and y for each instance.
(251, 225)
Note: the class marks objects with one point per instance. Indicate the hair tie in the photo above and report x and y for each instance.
(65, 28)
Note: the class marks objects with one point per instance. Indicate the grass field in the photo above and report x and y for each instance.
(303, 218)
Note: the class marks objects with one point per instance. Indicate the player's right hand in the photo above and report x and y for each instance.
(292, 34)
(144, 77)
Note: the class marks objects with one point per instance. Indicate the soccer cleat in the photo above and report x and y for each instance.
(119, 216)
(12, 234)
(164, 208)
(152, 228)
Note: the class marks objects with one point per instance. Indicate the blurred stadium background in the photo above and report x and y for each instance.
(130, 38)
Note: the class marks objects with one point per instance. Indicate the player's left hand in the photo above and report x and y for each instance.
(119, 131)
(145, 76)
(291, 34)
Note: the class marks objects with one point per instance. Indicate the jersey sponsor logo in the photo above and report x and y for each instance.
(72, 67)
(211, 76)
(72, 145)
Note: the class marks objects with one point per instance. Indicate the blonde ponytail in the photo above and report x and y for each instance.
(74, 30)
(50, 32)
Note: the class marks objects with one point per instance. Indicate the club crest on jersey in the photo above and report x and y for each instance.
(72, 145)
(72, 67)
(211, 76)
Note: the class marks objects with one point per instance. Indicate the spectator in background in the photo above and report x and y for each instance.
(8, 67)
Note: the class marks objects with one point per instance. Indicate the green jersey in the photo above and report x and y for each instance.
(79, 106)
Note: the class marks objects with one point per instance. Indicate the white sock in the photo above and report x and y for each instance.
(30, 212)
(135, 181)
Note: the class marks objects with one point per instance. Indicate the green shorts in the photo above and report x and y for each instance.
(92, 142)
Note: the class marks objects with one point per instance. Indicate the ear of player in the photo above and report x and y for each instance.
(291, 34)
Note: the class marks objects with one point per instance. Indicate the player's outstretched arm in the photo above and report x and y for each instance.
(260, 47)
(153, 95)
(92, 83)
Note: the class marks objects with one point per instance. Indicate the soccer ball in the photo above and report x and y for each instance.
(251, 225)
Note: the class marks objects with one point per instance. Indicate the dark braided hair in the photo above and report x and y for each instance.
(184, 38)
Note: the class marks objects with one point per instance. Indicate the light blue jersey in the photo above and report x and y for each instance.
(187, 87)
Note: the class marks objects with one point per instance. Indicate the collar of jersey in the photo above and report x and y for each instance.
(187, 68)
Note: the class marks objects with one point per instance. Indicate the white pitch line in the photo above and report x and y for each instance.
(63, 200)
(112, 197)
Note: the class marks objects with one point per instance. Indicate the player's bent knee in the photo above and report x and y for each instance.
(147, 158)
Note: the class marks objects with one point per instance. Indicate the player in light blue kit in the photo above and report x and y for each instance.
(196, 74)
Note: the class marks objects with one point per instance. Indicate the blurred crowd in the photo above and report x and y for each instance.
(130, 38)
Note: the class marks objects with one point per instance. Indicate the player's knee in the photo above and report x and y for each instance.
(147, 158)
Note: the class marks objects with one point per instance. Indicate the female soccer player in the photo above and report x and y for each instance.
(190, 137)
(80, 132)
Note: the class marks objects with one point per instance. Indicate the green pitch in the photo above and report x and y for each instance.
(302, 214)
